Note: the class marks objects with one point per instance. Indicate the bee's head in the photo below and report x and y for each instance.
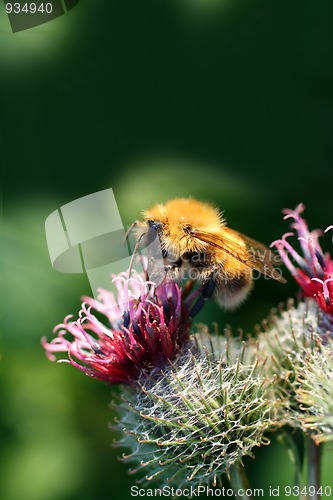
(174, 235)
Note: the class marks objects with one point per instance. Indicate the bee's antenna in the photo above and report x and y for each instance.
(129, 230)
(125, 239)
(135, 250)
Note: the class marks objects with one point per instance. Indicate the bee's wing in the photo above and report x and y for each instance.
(251, 253)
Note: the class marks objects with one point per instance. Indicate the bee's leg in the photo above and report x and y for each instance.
(207, 291)
(197, 307)
(208, 288)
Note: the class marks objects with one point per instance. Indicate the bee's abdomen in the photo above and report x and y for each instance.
(231, 291)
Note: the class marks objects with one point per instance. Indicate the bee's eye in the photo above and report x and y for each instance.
(155, 224)
(187, 228)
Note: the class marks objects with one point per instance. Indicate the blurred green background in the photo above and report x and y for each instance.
(228, 101)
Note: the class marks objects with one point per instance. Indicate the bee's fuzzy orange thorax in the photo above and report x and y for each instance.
(181, 213)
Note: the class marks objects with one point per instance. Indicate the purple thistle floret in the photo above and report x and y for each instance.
(314, 273)
(145, 327)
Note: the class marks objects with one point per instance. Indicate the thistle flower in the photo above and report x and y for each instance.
(294, 337)
(302, 325)
(198, 419)
(314, 273)
(145, 326)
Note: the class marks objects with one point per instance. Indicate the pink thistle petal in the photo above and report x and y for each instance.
(294, 213)
(326, 292)
(300, 225)
(315, 271)
(301, 262)
(313, 256)
(279, 244)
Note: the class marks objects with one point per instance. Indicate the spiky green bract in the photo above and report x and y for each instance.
(285, 340)
(192, 423)
(315, 393)
(228, 346)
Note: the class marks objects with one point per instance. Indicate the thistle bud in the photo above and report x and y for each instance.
(198, 419)
(315, 393)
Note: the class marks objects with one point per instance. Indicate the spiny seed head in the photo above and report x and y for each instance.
(288, 332)
(315, 393)
(285, 341)
(196, 420)
(229, 347)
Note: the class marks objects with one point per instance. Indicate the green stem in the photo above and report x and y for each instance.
(239, 482)
(314, 468)
(294, 442)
